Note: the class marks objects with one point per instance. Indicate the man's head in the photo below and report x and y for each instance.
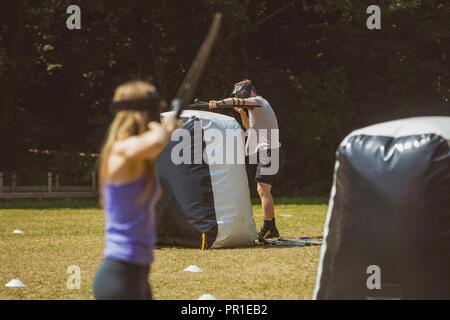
(244, 89)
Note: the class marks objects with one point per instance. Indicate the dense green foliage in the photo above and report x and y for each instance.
(324, 72)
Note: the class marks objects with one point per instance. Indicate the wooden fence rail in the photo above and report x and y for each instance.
(51, 190)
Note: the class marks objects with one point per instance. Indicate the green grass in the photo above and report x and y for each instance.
(60, 233)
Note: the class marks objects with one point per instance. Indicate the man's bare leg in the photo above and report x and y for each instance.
(264, 192)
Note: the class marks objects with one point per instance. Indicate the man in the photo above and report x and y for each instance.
(261, 146)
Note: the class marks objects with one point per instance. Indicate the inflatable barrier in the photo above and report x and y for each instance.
(204, 197)
(388, 219)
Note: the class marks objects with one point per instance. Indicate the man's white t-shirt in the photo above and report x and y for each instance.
(262, 121)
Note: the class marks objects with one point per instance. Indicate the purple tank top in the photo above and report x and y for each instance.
(130, 231)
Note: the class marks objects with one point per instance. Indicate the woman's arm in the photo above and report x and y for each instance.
(149, 144)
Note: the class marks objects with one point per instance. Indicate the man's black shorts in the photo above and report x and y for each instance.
(258, 170)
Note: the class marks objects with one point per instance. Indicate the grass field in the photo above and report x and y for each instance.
(61, 233)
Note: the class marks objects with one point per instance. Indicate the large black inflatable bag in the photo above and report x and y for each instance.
(389, 208)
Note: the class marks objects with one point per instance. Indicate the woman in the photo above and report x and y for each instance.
(129, 189)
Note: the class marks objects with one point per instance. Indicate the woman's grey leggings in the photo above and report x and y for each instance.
(117, 280)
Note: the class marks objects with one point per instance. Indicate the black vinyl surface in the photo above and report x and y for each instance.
(186, 208)
(391, 209)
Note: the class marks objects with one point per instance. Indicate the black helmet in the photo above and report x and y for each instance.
(244, 88)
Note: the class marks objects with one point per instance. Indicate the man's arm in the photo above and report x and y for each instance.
(239, 102)
(244, 118)
(235, 101)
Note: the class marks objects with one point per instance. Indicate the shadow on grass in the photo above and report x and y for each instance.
(296, 200)
(93, 203)
(258, 246)
(49, 204)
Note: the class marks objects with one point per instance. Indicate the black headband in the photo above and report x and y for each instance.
(151, 104)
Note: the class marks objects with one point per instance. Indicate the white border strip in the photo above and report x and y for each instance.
(406, 127)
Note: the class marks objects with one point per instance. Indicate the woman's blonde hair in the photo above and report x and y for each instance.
(126, 124)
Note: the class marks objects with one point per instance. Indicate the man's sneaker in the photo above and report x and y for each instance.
(269, 230)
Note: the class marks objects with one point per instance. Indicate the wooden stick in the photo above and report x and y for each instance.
(94, 184)
(49, 182)
(13, 183)
(57, 182)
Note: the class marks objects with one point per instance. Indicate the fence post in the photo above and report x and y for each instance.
(1, 182)
(57, 182)
(49, 182)
(13, 183)
(94, 182)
